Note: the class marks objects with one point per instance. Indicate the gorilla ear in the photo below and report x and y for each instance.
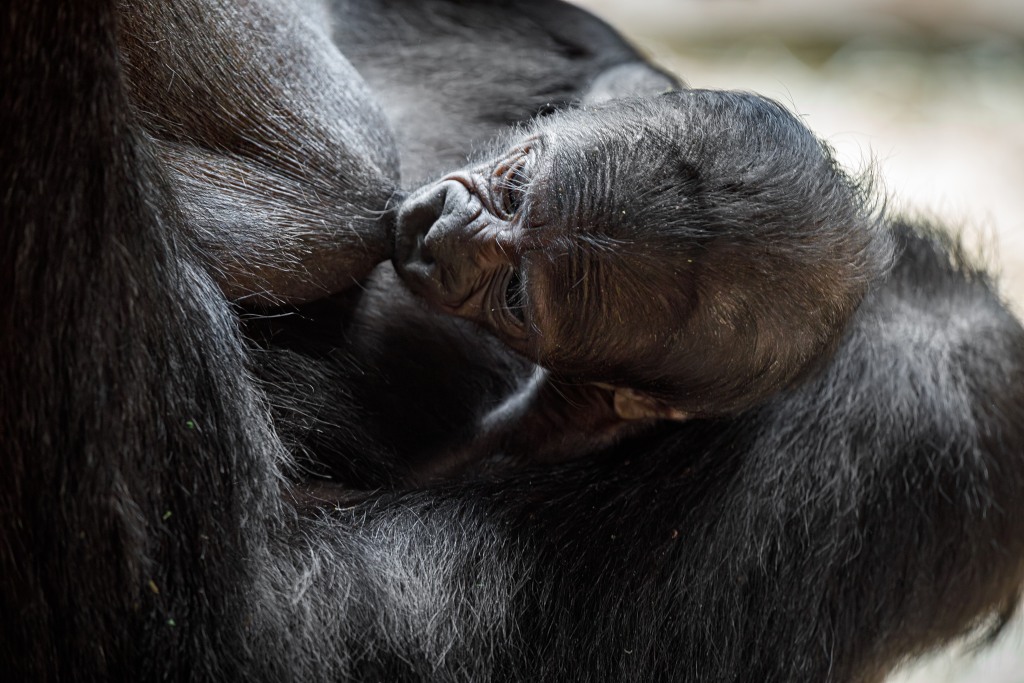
(636, 405)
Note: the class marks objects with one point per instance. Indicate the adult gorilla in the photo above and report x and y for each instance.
(148, 524)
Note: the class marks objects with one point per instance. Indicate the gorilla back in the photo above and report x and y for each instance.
(147, 525)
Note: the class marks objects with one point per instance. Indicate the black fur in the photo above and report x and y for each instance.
(154, 522)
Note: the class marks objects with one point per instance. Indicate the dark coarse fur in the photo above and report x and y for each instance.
(148, 527)
(501, 80)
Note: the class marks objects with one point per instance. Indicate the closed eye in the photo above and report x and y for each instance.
(511, 185)
(515, 297)
(516, 187)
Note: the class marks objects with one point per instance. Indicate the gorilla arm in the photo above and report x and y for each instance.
(451, 75)
(282, 162)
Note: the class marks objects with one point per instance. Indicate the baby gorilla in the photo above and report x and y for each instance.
(686, 255)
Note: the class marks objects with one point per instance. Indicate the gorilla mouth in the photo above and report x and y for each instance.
(414, 217)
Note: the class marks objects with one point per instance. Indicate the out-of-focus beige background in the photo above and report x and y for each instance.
(929, 91)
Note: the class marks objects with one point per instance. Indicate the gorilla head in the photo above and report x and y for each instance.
(686, 255)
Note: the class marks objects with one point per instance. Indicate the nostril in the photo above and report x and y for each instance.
(423, 250)
(419, 218)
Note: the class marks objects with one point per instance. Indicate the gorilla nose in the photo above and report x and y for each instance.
(416, 217)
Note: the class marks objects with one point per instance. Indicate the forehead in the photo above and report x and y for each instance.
(603, 278)
(595, 174)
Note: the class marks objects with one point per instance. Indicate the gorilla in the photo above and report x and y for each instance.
(669, 257)
(229, 432)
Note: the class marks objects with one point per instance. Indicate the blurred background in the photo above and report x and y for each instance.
(929, 92)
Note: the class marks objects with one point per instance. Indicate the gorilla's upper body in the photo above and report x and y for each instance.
(237, 447)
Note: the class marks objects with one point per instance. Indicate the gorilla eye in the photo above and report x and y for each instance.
(512, 181)
(515, 297)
